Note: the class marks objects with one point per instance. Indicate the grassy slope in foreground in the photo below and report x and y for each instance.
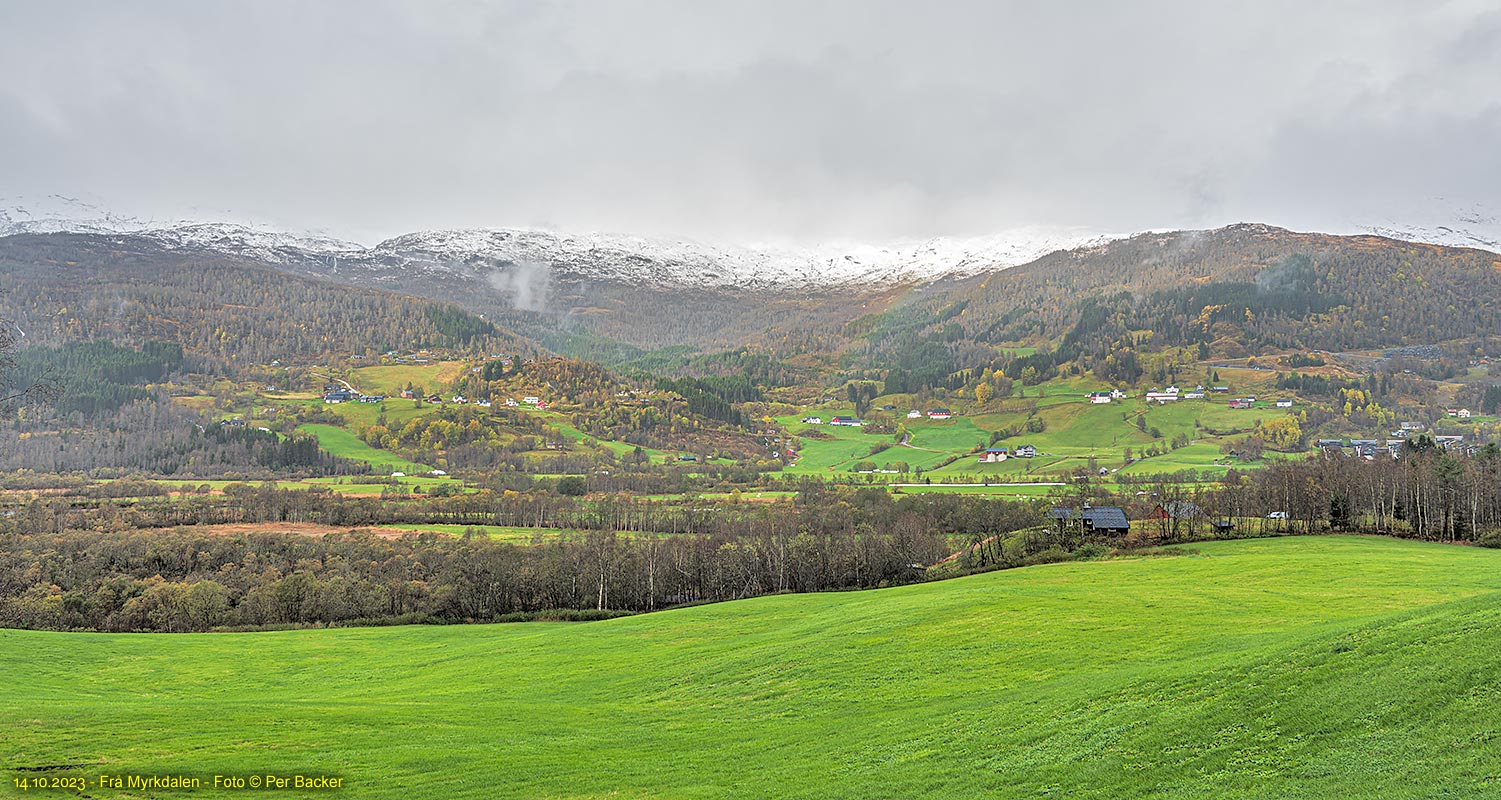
(1272, 668)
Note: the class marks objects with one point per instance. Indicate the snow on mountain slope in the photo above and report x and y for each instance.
(59, 214)
(1438, 221)
(639, 260)
(490, 254)
(478, 253)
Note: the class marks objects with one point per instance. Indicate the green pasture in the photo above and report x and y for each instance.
(1075, 431)
(955, 435)
(340, 442)
(397, 411)
(1357, 668)
(846, 446)
(1078, 430)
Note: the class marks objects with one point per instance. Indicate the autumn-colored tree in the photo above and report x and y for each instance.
(1281, 433)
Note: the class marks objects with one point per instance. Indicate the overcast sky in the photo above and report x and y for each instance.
(755, 121)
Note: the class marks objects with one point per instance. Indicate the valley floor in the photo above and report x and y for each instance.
(1295, 667)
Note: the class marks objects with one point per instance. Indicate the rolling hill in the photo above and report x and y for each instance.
(1295, 667)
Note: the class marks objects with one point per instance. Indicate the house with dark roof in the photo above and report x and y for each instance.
(1109, 520)
(1106, 519)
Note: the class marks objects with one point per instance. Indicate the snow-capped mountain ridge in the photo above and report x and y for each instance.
(479, 253)
(59, 214)
(620, 258)
(635, 259)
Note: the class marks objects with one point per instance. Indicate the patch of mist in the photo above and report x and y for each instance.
(1295, 273)
(525, 285)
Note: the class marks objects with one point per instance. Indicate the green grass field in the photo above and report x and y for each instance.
(397, 411)
(1288, 668)
(845, 447)
(952, 436)
(1075, 431)
(339, 442)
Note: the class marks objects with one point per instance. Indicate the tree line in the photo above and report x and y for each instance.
(108, 577)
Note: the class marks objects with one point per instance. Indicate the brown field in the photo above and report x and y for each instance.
(310, 529)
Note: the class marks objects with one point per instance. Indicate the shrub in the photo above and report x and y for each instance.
(1052, 555)
(1091, 550)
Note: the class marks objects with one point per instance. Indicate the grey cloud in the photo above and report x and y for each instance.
(753, 120)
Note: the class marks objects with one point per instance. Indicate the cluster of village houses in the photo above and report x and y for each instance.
(1369, 448)
(855, 422)
(995, 455)
(1173, 394)
(334, 394)
(421, 357)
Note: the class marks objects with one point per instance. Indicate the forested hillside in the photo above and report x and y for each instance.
(1261, 286)
(1241, 291)
(107, 415)
(79, 288)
